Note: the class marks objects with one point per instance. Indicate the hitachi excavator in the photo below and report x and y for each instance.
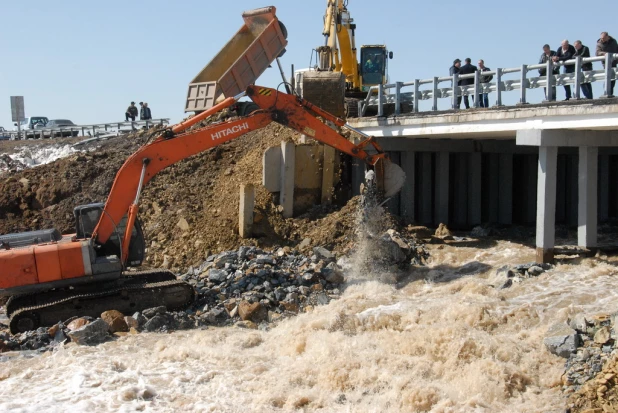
(50, 277)
(339, 80)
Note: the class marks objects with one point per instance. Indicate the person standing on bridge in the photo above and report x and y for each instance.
(607, 44)
(546, 56)
(455, 70)
(483, 97)
(566, 52)
(584, 52)
(467, 69)
(147, 112)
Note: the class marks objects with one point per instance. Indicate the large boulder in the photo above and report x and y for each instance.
(115, 320)
(562, 340)
(91, 333)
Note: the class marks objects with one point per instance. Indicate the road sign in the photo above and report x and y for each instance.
(17, 108)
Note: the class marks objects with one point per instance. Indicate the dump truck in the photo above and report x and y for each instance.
(241, 61)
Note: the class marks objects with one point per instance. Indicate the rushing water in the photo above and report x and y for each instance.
(441, 340)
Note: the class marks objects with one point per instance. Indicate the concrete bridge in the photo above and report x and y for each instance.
(545, 163)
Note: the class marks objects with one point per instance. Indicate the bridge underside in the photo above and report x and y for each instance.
(530, 170)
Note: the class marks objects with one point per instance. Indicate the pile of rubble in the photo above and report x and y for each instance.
(589, 345)
(248, 288)
(508, 275)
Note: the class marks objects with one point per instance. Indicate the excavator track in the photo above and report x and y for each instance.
(127, 298)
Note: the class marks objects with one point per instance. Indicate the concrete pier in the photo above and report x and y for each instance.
(288, 165)
(546, 204)
(587, 188)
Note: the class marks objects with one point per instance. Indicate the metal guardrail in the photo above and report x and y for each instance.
(86, 130)
(377, 95)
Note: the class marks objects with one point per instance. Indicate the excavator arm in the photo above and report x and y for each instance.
(177, 143)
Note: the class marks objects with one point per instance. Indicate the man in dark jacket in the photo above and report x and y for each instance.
(483, 97)
(456, 69)
(131, 112)
(566, 52)
(548, 54)
(584, 52)
(147, 113)
(467, 69)
(607, 44)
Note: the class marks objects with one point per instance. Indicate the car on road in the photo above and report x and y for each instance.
(61, 123)
(4, 136)
(29, 124)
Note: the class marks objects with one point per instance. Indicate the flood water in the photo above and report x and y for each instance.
(442, 340)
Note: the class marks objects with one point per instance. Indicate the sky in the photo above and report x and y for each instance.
(86, 60)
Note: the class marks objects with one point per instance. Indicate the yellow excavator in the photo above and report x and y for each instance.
(339, 80)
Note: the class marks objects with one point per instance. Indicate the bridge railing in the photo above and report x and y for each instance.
(393, 93)
(85, 130)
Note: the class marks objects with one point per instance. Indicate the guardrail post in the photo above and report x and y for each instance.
(417, 86)
(550, 81)
(380, 103)
(523, 84)
(455, 87)
(83, 131)
(498, 87)
(434, 105)
(578, 77)
(477, 89)
(609, 59)
(361, 113)
(398, 87)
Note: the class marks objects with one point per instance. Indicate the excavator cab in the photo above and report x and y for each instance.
(86, 219)
(374, 65)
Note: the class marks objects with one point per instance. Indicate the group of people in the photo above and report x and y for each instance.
(566, 51)
(144, 112)
(466, 69)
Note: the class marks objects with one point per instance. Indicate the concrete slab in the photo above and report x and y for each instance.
(271, 169)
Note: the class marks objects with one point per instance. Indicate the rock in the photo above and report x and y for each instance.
(91, 333)
(503, 278)
(131, 322)
(561, 340)
(334, 277)
(291, 307)
(255, 312)
(265, 259)
(77, 323)
(217, 276)
(420, 232)
(535, 271)
(323, 253)
(141, 320)
(306, 243)
(246, 324)
(151, 312)
(480, 232)
(156, 323)
(115, 321)
(602, 336)
(183, 224)
(442, 231)
(216, 316)
(579, 323)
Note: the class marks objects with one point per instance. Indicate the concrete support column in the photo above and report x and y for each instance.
(328, 175)
(426, 190)
(408, 192)
(358, 172)
(587, 193)
(546, 204)
(288, 167)
(442, 188)
(474, 189)
(505, 189)
(603, 187)
(245, 210)
(461, 190)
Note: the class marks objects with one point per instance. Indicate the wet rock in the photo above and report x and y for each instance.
(157, 323)
(420, 232)
(90, 334)
(535, 271)
(480, 232)
(252, 311)
(215, 316)
(141, 320)
(602, 336)
(151, 312)
(131, 322)
(579, 323)
(77, 323)
(323, 254)
(115, 321)
(503, 278)
(561, 340)
(334, 277)
(442, 231)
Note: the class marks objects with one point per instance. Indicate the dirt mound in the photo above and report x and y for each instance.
(190, 210)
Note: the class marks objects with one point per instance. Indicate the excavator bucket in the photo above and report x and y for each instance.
(390, 177)
(325, 90)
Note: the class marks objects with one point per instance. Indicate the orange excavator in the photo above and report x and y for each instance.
(50, 277)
